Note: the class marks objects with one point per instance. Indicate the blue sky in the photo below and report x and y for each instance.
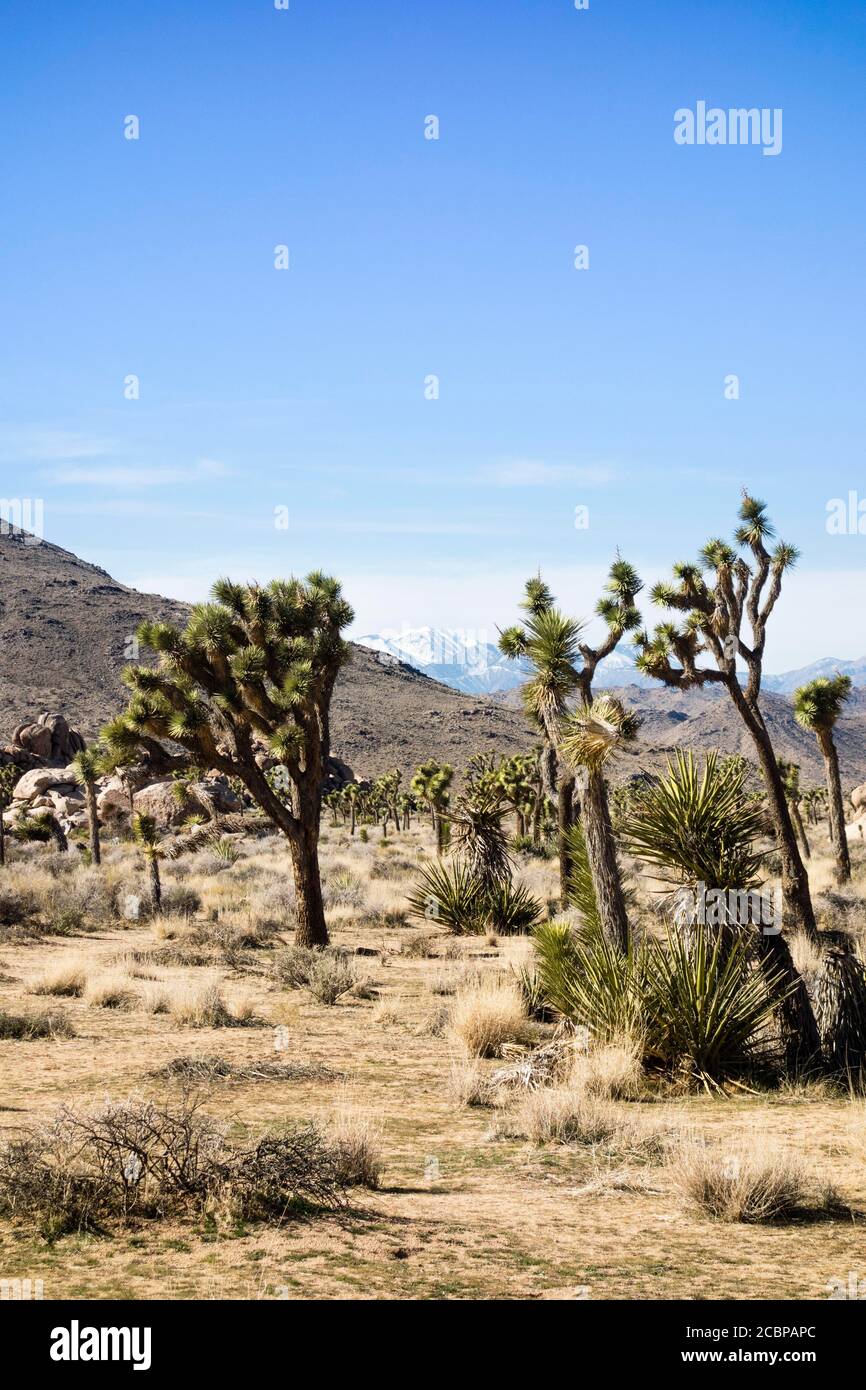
(409, 257)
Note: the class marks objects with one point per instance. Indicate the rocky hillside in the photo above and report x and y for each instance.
(65, 633)
(66, 626)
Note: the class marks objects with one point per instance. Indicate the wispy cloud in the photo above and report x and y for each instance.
(27, 444)
(537, 473)
(122, 475)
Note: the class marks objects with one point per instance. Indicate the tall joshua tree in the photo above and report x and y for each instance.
(591, 736)
(88, 768)
(817, 706)
(256, 664)
(431, 783)
(791, 781)
(716, 594)
(551, 643)
(146, 836)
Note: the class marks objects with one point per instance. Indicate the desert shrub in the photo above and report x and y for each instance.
(18, 906)
(331, 975)
(757, 1185)
(612, 1071)
(180, 900)
(27, 1027)
(328, 973)
(488, 1014)
(343, 889)
(291, 966)
(87, 1169)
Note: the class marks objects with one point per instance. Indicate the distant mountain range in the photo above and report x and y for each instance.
(466, 661)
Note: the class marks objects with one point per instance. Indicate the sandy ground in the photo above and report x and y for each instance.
(459, 1214)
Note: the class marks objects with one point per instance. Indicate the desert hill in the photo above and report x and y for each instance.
(66, 626)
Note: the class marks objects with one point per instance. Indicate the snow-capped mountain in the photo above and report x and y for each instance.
(788, 682)
(463, 658)
(469, 660)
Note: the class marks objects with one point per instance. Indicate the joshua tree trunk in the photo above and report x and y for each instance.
(55, 829)
(801, 829)
(800, 1037)
(93, 823)
(352, 820)
(2, 835)
(835, 805)
(601, 853)
(536, 820)
(565, 818)
(798, 909)
(840, 1009)
(155, 884)
(311, 930)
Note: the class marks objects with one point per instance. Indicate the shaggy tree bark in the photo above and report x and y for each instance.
(602, 856)
(836, 805)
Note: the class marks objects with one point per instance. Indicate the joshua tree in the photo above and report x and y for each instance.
(790, 773)
(591, 736)
(8, 777)
(258, 663)
(353, 793)
(145, 834)
(714, 610)
(431, 783)
(551, 643)
(88, 768)
(817, 706)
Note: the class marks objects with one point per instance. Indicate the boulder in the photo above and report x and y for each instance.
(66, 805)
(49, 737)
(858, 798)
(160, 801)
(37, 782)
(112, 799)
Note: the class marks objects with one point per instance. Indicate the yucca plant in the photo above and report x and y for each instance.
(9, 776)
(708, 1007)
(697, 825)
(510, 907)
(590, 981)
(448, 894)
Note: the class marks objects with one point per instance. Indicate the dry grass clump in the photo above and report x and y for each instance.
(113, 989)
(87, 1169)
(488, 1014)
(806, 955)
(67, 978)
(422, 946)
(468, 1083)
(357, 1143)
(562, 1115)
(755, 1184)
(612, 1071)
(204, 1007)
(26, 1027)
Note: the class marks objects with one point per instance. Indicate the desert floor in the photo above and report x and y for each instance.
(460, 1213)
